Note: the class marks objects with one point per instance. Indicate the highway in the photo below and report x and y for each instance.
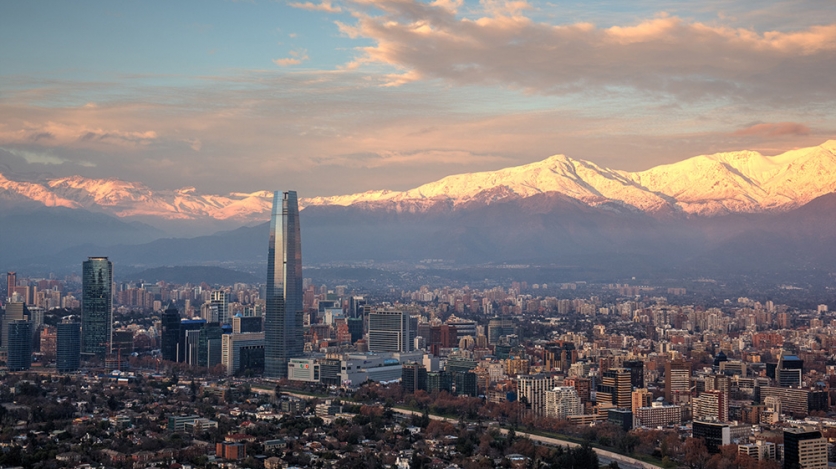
(604, 456)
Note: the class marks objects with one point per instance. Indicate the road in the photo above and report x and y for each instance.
(604, 456)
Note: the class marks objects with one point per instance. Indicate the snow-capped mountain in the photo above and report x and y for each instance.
(741, 181)
(733, 182)
(131, 199)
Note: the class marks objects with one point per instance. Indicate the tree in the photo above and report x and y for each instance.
(696, 454)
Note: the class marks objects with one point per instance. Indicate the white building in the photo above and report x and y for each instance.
(563, 401)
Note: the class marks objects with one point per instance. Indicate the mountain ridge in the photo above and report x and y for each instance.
(706, 185)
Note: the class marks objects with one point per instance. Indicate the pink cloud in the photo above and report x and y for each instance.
(325, 6)
(296, 58)
(774, 129)
(666, 55)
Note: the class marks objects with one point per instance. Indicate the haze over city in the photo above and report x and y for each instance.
(414, 234)
(335, 98)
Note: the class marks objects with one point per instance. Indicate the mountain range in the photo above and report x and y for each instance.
(708, 185)
(727, 212)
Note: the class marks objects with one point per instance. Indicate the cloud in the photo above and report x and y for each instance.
(63, 133)
(388, 159)
(657, 57)
(325, 6)
(34, 157)
(296, 57)
(195, 144)
(775, 129)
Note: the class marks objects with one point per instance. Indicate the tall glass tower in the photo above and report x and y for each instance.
(96, 306)
(283, 335)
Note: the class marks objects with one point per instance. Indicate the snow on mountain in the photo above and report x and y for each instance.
(132, 199)
(741, 181)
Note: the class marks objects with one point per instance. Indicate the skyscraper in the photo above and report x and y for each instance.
(283, 315)
(68, 346)
(11, 283)
(96, 306)
(171, 333)
(20, 345)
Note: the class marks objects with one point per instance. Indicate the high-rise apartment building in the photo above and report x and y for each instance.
(712, 405)
(563, 401)
(531, 390)
(283, 313)
(68, 346)
(97, 306)
(220, 303)
(677, 381)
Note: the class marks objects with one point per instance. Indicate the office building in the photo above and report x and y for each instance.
(68, 347)
(714, 434)
(283, 333)
(356, 328)
(242, 352)
(15, 311)
(797, 402)
(187, 343)
(439, 381)
(170, 333)
(209, 345)
(413, 377)
(97, 306)
(804, 448)
(392, 331)
(636, 368)
(465, 383)
(615, 388)
(19, 350)
(498, 327)
(788, 371)
(621, 417)
(11, 283)
(246, 324)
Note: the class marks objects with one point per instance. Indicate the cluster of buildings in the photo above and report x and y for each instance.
(733, 373)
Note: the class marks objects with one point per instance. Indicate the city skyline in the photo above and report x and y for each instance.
(338, 97)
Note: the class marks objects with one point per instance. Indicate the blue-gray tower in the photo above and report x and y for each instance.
(96, 306)
(283, 334)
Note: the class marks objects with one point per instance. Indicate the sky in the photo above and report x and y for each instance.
(337, 97)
